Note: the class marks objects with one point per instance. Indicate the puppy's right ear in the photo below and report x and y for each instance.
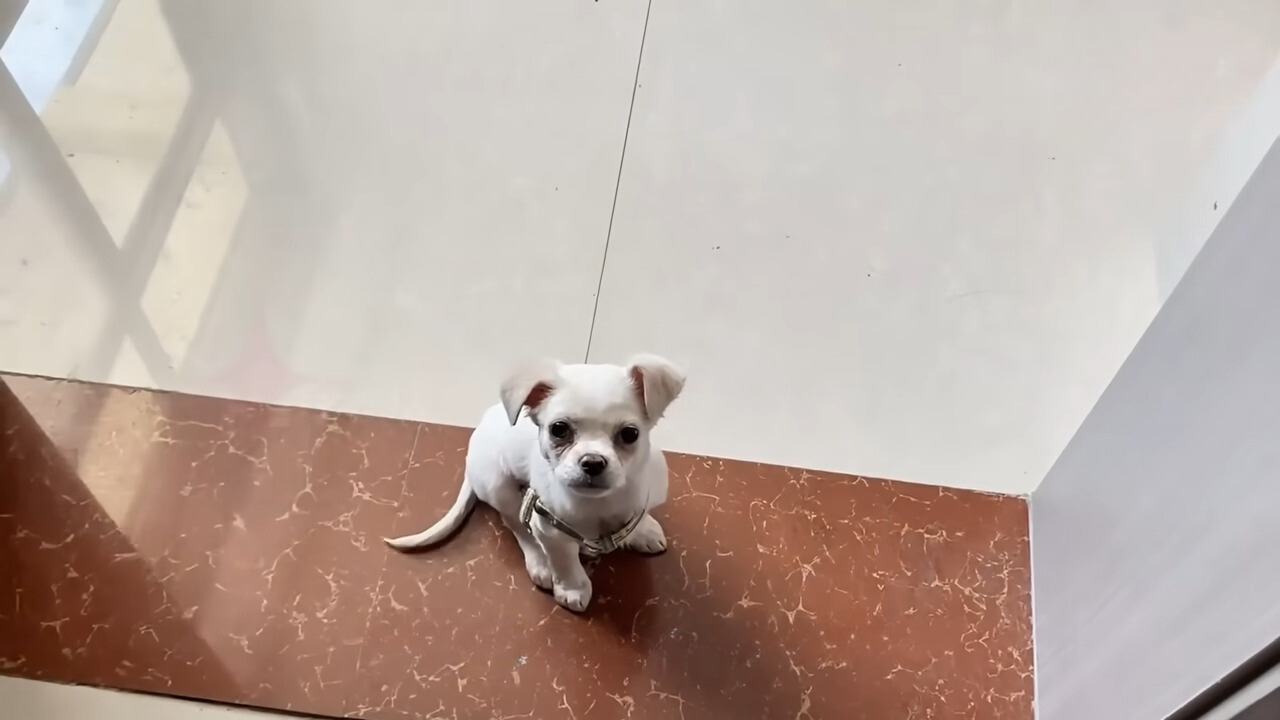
(529, 387)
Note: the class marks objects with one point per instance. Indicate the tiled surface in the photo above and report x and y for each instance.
(925, 237)
(193, 546)
(225, 550)
(244, 211)
(922, 238)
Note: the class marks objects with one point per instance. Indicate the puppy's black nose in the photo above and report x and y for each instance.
(593, 464)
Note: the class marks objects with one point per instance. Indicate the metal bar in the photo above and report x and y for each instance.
(1233, 683)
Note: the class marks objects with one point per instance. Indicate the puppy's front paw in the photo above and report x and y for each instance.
(575, 599)
(648, 537)
(539, 572)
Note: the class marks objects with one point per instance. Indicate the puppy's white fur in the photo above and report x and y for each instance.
(521, 442)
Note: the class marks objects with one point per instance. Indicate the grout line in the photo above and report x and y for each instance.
(595, 308)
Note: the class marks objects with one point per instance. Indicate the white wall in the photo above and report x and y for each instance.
(922, 237)
(1155, 536)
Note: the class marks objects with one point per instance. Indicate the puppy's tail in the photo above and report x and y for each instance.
(444, 527)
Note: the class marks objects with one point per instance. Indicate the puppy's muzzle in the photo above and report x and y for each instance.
(593, 476)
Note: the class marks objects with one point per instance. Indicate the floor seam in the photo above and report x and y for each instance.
(617, 185)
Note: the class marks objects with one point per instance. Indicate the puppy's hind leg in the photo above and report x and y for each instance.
(535, 561)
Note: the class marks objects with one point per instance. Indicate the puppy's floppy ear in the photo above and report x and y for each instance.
(528, 387)
(657, 382)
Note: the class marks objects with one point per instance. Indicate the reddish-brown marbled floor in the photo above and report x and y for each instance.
(230, 551)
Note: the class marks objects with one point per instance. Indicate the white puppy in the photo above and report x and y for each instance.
(565, 459)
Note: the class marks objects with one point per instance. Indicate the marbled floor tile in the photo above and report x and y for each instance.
(227, 550)
(77, 601)
(211, 549)
(785, 594)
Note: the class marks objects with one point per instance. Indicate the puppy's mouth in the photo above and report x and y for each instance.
(591, 487)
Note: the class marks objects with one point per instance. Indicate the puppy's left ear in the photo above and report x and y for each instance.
(657, 382)
(529, 387)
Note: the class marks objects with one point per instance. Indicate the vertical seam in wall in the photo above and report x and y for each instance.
(613, 210)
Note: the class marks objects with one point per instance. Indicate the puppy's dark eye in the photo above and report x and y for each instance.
(628, 435)
(560, 430)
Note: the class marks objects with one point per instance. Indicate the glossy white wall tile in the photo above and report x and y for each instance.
(376, 207)
(913, 241)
